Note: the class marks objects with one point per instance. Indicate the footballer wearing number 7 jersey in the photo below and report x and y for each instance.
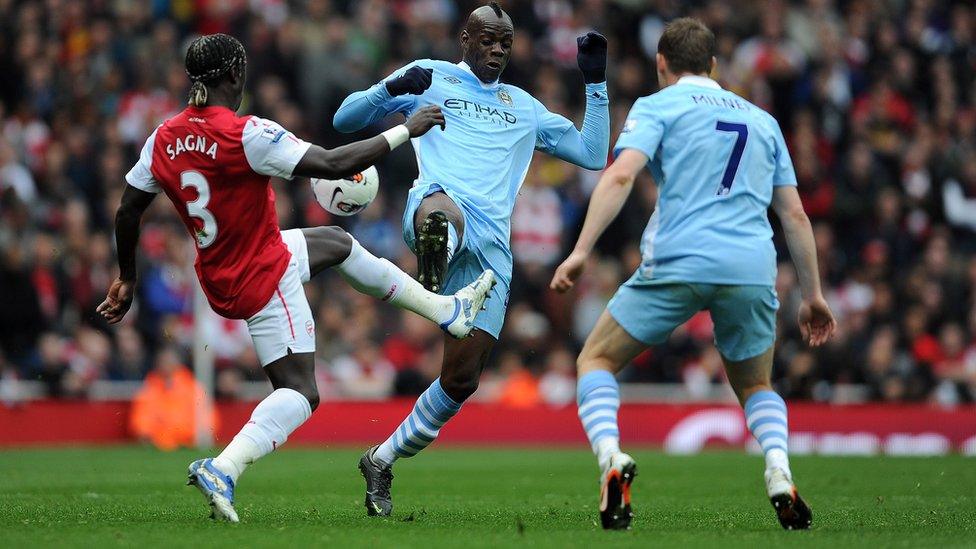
(215, 167)
(719, 163)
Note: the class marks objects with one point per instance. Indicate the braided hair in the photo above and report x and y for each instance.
(209, 59)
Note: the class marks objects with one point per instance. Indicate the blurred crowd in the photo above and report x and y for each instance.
(875, 97)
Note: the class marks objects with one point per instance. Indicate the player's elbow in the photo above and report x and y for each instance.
(332, 170)
(618, 177)
(348, 117)
(795, 217)
(343, 122)
(127, 215)
(324, 164)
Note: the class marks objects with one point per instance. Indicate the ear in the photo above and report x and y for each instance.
(711, 69)
(464, 39)
(662, 63)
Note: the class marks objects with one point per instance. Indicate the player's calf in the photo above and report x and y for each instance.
(767, 421)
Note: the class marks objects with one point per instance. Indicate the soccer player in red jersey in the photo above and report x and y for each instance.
(215, 167)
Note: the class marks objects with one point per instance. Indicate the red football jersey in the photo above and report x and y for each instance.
(215, 167)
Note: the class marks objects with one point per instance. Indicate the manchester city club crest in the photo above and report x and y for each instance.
(505, 98)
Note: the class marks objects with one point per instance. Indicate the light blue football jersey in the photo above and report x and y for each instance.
(716, 159)
(482, 157)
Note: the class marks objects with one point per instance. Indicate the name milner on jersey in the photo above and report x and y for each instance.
(197, 143)
(727, 102)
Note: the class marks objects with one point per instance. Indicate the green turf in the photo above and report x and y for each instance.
(472, 498)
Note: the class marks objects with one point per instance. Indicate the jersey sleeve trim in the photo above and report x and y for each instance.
(140, 176)
(642, 130)
(270, 149)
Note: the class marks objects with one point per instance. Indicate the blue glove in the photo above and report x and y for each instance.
(591, 56)
(414, 81)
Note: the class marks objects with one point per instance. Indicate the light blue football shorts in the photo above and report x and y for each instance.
(744, 316)
(481, 248)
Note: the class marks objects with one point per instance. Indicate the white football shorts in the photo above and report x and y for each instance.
(286, 323)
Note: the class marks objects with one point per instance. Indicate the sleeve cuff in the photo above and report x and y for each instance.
(298, 153)
(620, 148)
(379, 95)
(597, 93)
(143, 184)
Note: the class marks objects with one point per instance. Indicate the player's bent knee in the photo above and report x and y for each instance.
(311, 393)
(459, 387)
(589, 363)
(327, 247)
(328, 235)
(743, 393)
(313, 400)
(296, 379)
(593, 357)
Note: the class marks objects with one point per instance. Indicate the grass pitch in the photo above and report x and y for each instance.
(472, 498)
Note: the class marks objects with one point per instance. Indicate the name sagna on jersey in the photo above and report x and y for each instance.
(196, 143)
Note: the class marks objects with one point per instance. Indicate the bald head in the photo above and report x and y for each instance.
(486, 41)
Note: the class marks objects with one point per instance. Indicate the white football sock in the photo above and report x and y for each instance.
(605, 449)
(378, 277)
(271, 422)
(778, 459)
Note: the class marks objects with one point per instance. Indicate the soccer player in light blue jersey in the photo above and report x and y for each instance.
(719, 163)
(457, 218)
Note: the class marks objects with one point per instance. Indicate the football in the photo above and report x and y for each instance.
(347, 196)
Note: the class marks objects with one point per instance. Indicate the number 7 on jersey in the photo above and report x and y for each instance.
(732, 167)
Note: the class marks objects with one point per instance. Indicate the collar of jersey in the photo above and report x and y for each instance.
(464, 65)
(210, 109)
(702, 81)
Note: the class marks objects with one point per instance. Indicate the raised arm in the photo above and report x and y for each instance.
(396, 93)
(588, 146)
(355, 157)
(816, 321)
(605, 203)
(127, 223)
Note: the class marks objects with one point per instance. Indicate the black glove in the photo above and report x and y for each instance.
(591, 56)
(414, 81)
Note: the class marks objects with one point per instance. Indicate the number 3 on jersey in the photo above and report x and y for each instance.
(198, 208)
(740, 144)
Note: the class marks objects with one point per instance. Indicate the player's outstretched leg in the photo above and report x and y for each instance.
(607, 349)
(277, 416)
(438, 226)
(765, 413)
(378, 277)
(463, 362)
